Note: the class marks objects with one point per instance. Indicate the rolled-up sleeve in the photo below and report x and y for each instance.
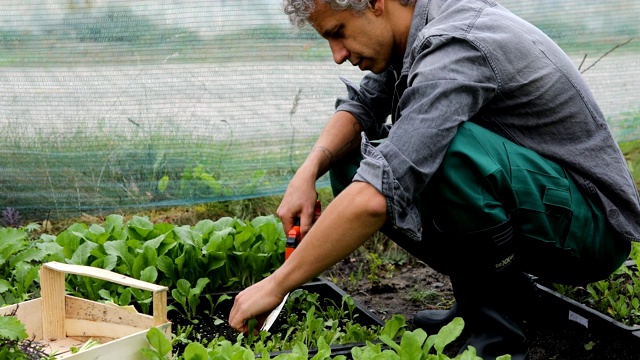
(370, 102)
(376, 171)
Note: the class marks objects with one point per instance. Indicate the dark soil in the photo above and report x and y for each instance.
(205, 326)
(408, 286)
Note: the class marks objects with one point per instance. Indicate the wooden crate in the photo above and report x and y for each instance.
(60, 321)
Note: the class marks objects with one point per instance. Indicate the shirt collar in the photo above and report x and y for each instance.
(418, 22)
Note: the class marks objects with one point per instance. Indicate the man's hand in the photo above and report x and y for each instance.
(256, 301)
(340, 135)
(299, 201)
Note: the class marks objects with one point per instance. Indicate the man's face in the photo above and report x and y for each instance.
(365, 39)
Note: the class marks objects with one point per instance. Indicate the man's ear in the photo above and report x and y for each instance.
(377, 6)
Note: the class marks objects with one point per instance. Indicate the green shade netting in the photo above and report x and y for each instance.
(113, 104)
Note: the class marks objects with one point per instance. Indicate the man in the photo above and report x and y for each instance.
(499, 162)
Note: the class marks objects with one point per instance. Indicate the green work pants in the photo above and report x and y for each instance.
(486, 180)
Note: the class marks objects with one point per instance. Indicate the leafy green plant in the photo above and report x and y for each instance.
(212, 309)
(395, 256)
(229, 350)
(414, 344)
(351, 305)
(20, 259)
(233, 254)
(197, 182)
(230, 252)
(12, 331)
(245, 347)
(309, 320)
(15, 344)
(305, 320)
(180, 336)
(188, 297)
(159, 345)
(375, 269)
(356, 277)
(417, 344)
(422, 295)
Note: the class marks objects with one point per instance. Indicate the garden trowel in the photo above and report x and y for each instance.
(293, 239)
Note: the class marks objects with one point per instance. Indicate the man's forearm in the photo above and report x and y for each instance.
(340, 135)
(349, 220)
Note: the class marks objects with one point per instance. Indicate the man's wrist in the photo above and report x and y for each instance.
(327, 154)
(318, 162)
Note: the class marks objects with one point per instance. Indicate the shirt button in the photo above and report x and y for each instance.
(613, 213)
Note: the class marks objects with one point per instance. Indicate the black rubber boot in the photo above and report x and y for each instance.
(481, 242)
(493, 308)
(432, 320)
(491, 294)
(494, 334)
(491, 332)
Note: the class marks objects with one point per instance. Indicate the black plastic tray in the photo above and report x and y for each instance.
(330, 291)
(565, 309)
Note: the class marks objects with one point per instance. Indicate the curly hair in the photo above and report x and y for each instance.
(300, 10)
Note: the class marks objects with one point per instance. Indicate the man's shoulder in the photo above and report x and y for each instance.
(484, 23)
(463, 18)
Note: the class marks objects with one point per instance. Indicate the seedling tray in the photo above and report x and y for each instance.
(565, 309)
(328, 293)
(60, 322)
(329, 290)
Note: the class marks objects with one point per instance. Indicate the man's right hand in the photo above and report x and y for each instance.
(299, 201)
(340, 135)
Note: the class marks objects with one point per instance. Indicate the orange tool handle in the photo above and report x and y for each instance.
(293, 237)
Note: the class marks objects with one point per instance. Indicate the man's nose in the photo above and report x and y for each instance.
(339, 51)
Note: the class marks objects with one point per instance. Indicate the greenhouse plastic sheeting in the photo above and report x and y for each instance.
(111, 104)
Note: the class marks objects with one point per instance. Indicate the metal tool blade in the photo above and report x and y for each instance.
(271, 318)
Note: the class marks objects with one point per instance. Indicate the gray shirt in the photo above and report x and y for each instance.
(474, 60)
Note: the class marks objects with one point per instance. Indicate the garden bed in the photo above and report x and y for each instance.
(385, 281)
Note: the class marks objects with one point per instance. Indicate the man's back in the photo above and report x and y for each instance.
(541, 100)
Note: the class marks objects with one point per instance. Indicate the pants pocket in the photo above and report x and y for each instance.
(544, 205)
